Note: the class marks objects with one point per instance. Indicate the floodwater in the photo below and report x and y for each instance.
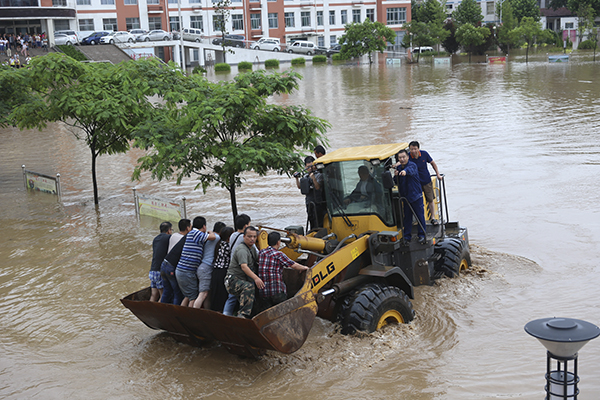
(519, 146)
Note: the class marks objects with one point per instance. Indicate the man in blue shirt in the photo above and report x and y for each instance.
(421, 158)
(409, 188)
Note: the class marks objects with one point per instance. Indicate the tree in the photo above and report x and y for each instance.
(226, 128)
(585, 20)
(11, 93)
(528, 32)
(525, 8)
(450, 43)
(418, 35)
(433, 13)
(575, 5)
(468, 12)
(508, 24)
(365, 38)
(222, 14)
(469, 36)
(102, 102)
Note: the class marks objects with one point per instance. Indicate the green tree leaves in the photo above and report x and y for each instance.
(365, 38)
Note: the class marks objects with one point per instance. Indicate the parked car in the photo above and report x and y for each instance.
(73, 37)
(61, 39)
(117, 37)
(94, 38)
(303, 47)
(422, 49)
(193, 35)
(155, 35)
(231, 40)
(269, 44)
(336, 48)
(138, 32)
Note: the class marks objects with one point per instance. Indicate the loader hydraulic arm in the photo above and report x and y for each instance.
(330, 266)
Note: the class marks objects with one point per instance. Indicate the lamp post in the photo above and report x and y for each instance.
(563, 338)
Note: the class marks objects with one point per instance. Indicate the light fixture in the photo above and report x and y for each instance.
(563, 338)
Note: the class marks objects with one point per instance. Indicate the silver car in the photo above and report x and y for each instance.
(267, 44)
(118, 37)
(303, 47)
(61, 39)
(157, 34)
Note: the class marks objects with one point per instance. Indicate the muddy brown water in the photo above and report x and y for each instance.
(519, 146)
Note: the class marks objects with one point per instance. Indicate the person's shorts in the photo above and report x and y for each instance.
(204, 274)
(155, 280)
(188, 283)
(428, 192)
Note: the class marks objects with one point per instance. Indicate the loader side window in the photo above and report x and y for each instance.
(355, 188)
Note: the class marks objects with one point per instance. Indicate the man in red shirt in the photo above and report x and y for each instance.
(271, 262)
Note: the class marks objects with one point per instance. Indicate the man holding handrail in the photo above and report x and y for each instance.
(409, 187)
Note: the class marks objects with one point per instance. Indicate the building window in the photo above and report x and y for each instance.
(174, 23)
(273, 21)
(107, 2)
(109, 24)
(195, 1)
(356, 16)
(331, 17)
(490, 9)
(290, 20)
(321, 41)
(196, 22)
(153, 2)
(344, 17)
(218, 23)
(55, 3)
(237, 21)
(86, 24)
(254, 21)
(332, 40)
(305, 18)
(371, 14)
(172, 1)
(130, 2)
(132, 23)
(569, 25)
(396, 16)
(84, 2)
(320, 18)
(236, 1)
(449, 7)
(61, 25)
(154, 23)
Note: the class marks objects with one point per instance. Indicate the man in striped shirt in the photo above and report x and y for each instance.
(271, 263)
(191, 257)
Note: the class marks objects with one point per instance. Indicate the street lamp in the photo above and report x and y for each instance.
(563, 338)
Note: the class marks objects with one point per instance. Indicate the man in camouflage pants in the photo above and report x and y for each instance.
(242, 272)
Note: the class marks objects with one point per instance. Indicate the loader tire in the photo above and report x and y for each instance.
(373, 306)
(454, 257)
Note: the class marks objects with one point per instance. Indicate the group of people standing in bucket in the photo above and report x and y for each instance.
(223, 268)
(217, 269)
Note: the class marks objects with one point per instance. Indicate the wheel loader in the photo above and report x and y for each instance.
(362, 272)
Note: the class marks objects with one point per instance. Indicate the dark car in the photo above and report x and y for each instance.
(94, 38)
(336, 48)
(231, 40)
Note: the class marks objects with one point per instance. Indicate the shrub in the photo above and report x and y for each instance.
(319, 59)
(222, 67)
(245, 65)
(586, 44)
(337, 57)
(272, 63)
(298, 61)
(198, 70)
(72, 52)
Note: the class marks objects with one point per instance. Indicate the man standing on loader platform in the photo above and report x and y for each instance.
(311, 185)
(242, 272)
(421, 158)
(409, 188)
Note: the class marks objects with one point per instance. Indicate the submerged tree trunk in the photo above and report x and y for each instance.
(231, 189)
(94, 180)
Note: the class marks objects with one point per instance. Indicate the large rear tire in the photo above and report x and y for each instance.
(373, 306)
(454, 257)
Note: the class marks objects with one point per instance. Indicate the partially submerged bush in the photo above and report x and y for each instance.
(245, 65)
(298, 61)
(222, 67)
(319, 59)
(272, 63)
(586, 45)
(198, 70)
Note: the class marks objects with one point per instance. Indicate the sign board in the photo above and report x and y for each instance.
(159, 208)
(441, 61)
(393, 61)
(558, 58)
(41, 183)
(497, 60)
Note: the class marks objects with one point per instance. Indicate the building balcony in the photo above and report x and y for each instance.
(155, 8)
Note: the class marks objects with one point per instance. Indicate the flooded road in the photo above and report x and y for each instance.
(519, 146)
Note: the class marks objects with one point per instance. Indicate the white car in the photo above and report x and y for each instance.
(303, 47)
(61, 39)
(157, 34)
(267, 44)
(117, 37)
(138, 32)
(73, 38)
